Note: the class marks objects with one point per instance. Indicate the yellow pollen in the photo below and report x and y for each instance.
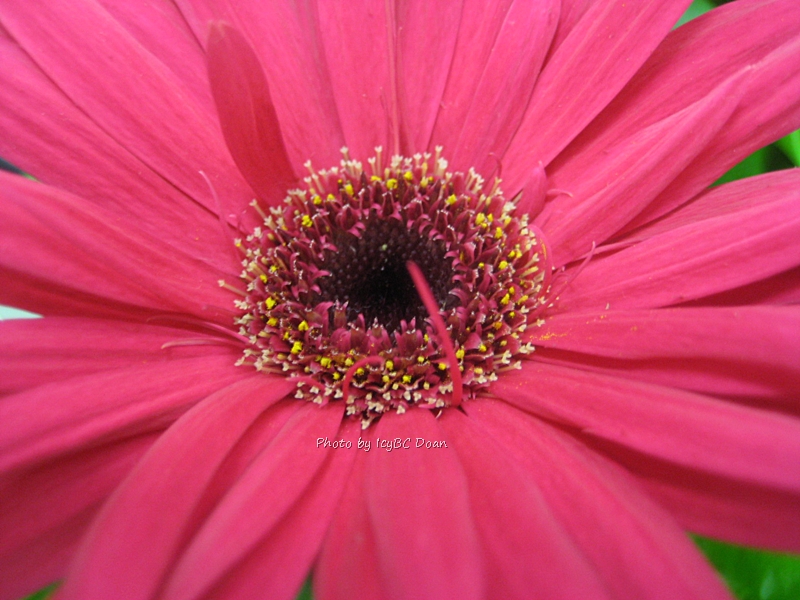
(480, 218)
(316, 200)
(391, 184)
(386, 379)
(481, 265)
(337, 376)
(482, 348)
(306, 221)
(497, 324)
(420, 359)
(390, 365)
(348, 362)
(512, 314)
(524, 299)
(490, 216)
(303, 326)
(512, 290)
(325, 362)
(375, 178)
(297, 347)
(272, 321)
(442, 367)
(348, 188)
(460, 353)
(406, 378)
(505, 300)
(478, 371)
(359, 371)
(270, 303)
(263, 278)
(408, 176)
(498, 233)
(451, 199)
(503, 265)
(331, 197)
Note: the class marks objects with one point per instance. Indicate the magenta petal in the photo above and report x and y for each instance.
(141, 104)
(708, 435)
(247, 115)
(290, 54)
(500, 52)
(255, 504)
(430, 548)
(359, 45)
(524, 545)
(64, 148)
(36, 352)
(598, 57)
(45, 510)
(618, 185)
(280, 564)
(61, 417)
(691, 62)
(163, 31)
(152, 508)
(348, 563)
(65, 247)
(425, 40)
(728, 510)
(740, 351)
(636, 549)
(693, 261)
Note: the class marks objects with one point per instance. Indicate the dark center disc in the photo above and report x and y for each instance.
(368, 272)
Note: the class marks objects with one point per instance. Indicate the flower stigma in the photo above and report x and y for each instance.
(331, 300)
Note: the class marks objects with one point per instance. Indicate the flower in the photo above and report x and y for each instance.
(138, 461)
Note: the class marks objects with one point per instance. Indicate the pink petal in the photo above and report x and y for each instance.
(571, 13)
(291, 56)
(754, 124)
(64, 148)
(425, 39)
(693, 261)
(737, 351)
(161, 29)
(418, 504)
(348, 563)
(45, 511)
(140, 103)
(247, 115)
(780, 289)
(154, 505)
(358, 38)
(728, 510)
(704, 434)
(602, 52)
(499, 82)
(725, 199)
(82, 412)
(36, 352)
(256, 503)
(635, 547)
(690, 64)
(615, 187)
(280, 565)
(69, 251)
(525, 546)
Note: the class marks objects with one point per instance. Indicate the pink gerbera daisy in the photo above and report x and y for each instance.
(429, 299)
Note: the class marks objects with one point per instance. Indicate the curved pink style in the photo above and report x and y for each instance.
(138, 462)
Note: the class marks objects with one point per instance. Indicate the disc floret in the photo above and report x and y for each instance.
(329, 297)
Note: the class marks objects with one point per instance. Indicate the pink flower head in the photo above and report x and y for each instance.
(429, 299)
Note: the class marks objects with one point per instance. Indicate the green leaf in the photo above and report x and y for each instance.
(790, 146)
(697, 8)
(43, 594)
(754, 574)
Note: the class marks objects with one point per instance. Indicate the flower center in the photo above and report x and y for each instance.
(330, 298)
